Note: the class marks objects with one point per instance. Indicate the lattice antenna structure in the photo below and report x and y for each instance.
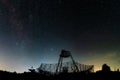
(62, 66)
(65, 54)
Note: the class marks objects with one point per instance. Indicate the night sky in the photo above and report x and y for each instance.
(35, 31)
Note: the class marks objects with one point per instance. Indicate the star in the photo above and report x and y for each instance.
(60, 1)
(17, 43)
(51, 49)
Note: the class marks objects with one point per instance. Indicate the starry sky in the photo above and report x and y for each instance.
(35, 31)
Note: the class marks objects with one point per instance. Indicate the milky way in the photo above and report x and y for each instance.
(35, 31)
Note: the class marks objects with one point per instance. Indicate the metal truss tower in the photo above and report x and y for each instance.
(60, 67)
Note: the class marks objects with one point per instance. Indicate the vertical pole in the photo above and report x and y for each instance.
(60, 69)
(59, 61)
(74, 64)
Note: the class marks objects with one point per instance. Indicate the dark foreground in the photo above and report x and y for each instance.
(63, 76)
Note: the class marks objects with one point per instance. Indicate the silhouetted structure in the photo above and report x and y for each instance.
(65, 67)
(66, 54)
(104, 74)
(32, 69)
(44, 72)
(105, 68)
